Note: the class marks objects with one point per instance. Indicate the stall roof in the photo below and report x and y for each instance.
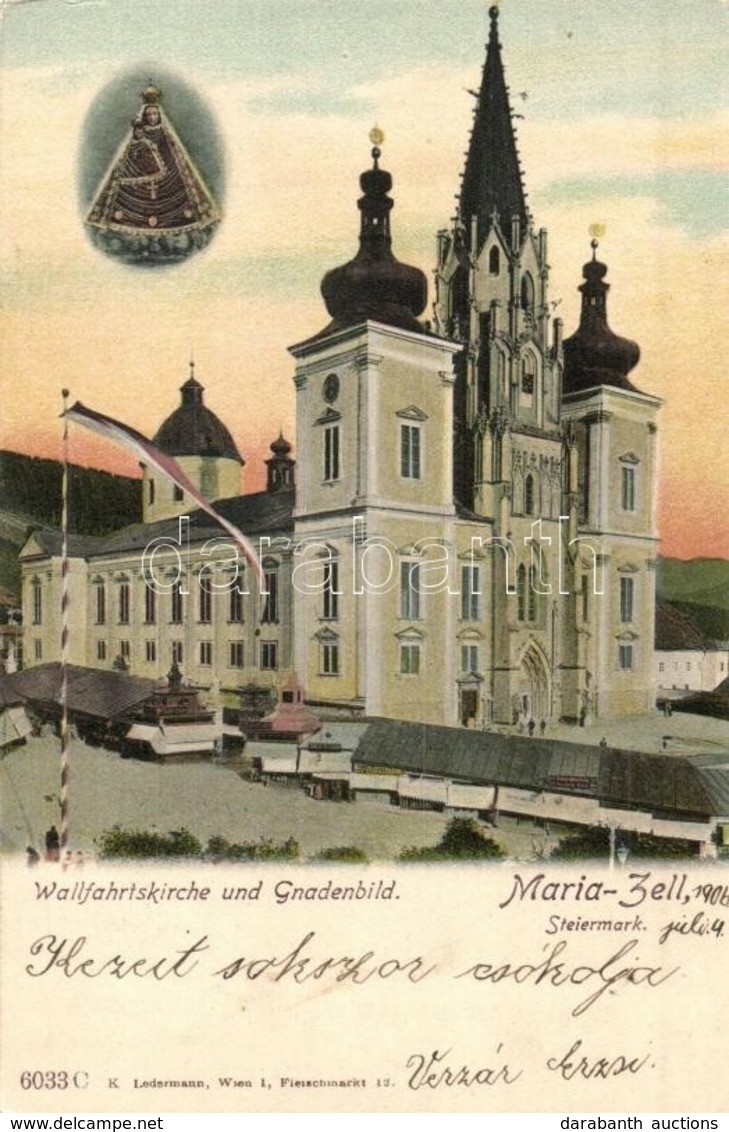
(91, 691)
(665, 783)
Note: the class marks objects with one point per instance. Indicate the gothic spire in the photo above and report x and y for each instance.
(492, 183)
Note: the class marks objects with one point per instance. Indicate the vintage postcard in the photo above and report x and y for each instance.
(364, 571)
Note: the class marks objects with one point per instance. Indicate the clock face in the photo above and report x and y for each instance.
(331, 388)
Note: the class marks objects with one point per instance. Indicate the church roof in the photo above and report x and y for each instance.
(195, 430)
(259, 513)
(492, 181)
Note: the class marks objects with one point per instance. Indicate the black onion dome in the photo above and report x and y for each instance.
(280, 446)
(594, 355)
(375, 285)
(194, 430)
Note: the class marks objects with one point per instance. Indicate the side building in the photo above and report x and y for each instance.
(206, 611)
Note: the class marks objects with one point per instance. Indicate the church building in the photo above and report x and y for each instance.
(468, 532)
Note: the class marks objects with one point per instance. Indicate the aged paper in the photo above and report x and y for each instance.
(507, 987)
(480, 989)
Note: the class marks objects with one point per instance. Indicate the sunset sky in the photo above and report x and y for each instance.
(622, 125)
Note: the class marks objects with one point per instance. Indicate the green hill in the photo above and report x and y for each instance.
(698, 587)
(30, 496)
(701, 581)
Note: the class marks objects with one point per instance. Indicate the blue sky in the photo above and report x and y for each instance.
(674, 49)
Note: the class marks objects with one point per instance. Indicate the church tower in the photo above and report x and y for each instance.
(610, 426)
(202, 446)
(492, 297)
(374, 483)
(492, 279)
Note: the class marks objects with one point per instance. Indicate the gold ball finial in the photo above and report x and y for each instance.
(597, 231)
(377, 136)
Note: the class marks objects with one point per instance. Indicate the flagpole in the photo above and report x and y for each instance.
(65, 768)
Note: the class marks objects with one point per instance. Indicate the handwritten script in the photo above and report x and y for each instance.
(308, 961)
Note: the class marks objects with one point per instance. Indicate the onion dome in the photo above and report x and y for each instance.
(280, 446)
(374, 285)
(193, 429)
(594, 355)
(280, 466)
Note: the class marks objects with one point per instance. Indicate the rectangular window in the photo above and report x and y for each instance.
(470, 592)
(331, 453)
(178, 652)
(627, 478)
(206, 653)
(236, 654)
(269, 655)
(625, 657)
(150, 495)
(330, 659)
(150, 605)
(124, 603)
(410, 660)
(125, 649)
(469, 659)
(176, 605)
(150, 651)
(177, 494)
(235, 608)
(205, 608)
(585, 597)
(270, 600)
(37, 602)
(627, 593)
(661, 667)
(100, 604)
(410, 452)
(330, 610)
(410, 590)
(101, 650)
(38, 650)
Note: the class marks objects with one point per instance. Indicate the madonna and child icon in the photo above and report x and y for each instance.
(152, 207)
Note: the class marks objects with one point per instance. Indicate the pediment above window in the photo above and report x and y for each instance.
(410, 634)
(626, 635)
(329, 416)
(629, 458)
(326, 636)
(469, 635)
(412, 413)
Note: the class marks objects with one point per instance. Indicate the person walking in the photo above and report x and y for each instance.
(53, 844)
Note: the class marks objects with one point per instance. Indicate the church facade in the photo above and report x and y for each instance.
(468, 533)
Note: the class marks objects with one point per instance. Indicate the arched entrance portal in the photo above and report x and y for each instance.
(534, 686)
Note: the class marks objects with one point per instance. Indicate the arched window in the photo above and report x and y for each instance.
(527, 293)
(521, 593)
(532, 595)
(529, 495)
(528, 376)
(494, 261)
